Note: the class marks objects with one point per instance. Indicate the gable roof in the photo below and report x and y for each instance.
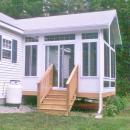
(63, 23)
(102, 18)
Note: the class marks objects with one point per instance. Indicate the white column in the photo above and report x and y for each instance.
(78, 55)
(40, 57)
(101, 72)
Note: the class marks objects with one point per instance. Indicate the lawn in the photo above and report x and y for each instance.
(77, 121)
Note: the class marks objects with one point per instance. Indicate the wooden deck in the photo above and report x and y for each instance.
(57, 102)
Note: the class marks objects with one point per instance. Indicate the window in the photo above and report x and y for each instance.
(60, 37)
(106, 35)
(112, 41)
(89, 59)
(6, 49)
(106, 61)
(31, 60)
(113, 60)
(113, 84)
(89, 35)
(106, 83)
(32, 39)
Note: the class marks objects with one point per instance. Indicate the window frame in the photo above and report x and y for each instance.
(31, 39)
(6, 49)
(30, 64)
(111, 49)
(89, 41)
(90, 34)
(60, 37)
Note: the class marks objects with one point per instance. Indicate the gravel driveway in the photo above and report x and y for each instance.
(21, 109)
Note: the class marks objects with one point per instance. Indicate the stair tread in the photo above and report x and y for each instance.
(58, 104)
(59, 94)
(56, 109)
(51, 98)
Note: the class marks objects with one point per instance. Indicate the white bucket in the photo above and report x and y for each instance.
(14, 94)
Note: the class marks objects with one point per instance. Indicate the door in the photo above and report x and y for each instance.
(62, 57)
(66, 62)
(52, 58)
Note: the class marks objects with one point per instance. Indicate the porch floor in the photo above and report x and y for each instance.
(59, 88)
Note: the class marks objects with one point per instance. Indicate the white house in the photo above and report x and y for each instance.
(87, 40)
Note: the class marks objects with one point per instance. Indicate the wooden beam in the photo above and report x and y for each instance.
(108, 94)
(94, 95)
(84, 95)
(29, 93)
(88, 95)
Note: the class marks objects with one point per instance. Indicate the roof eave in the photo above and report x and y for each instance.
(11, 28)
(64, 29)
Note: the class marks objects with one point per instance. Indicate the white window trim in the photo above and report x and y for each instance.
(110, 49)
(60, 35)
(30, 76)
(86, 41)
(37, 37)
(109, 80)
(4, 48)
(55, 43)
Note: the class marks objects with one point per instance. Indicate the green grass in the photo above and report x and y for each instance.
(77, 121)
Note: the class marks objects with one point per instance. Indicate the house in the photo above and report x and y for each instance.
(72, 56)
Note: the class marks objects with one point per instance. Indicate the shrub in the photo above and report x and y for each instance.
(123, 86)
(30, 100)
(114, 105)
(110, 110)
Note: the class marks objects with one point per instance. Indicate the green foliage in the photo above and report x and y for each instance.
(123, 86)
(110, 110)
(30, 100)
(114, 105)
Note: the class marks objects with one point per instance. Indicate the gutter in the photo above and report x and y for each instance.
(11, 27)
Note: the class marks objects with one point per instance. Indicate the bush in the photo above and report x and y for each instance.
(123, 86)
(111, 110)
(30, 100)
(114, 105)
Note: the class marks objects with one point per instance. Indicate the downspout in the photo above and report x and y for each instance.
(101, 74)
(100, 105)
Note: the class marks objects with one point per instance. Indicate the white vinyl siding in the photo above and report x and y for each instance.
(8, 70)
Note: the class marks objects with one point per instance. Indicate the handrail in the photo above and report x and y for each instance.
(72, 84)
(45, 84)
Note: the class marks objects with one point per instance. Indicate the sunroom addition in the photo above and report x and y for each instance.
(72, 56)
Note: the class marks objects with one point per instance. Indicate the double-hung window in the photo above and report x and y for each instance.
(89, 59)
(6, 49)
(31, 60)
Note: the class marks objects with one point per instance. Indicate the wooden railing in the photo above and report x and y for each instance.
(72, 84)
(44, 85)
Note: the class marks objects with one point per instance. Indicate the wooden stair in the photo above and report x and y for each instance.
(59, 101)
(56, 103)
